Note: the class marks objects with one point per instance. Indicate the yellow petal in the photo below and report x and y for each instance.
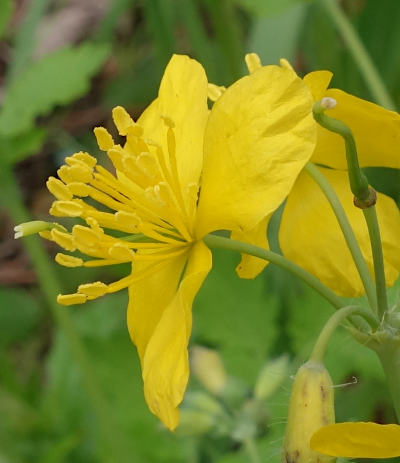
(358, 440)
(259, 135)
(165, 358)
(182, 99)
(310, 235)
(251, 266)
(318, 82)
(375, 129)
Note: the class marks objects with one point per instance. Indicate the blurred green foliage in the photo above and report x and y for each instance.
(44, 407)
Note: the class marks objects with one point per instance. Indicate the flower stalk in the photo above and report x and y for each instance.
(334, 321)
(364, 196)
(214, 241)
(347, 231)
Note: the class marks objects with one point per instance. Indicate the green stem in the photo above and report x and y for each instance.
(50, 287)
(360, 54)
(377, 254)
(334, 321)
(214, 241)
(348, 233)
(358, 181)
(251, 449)
(389, 355)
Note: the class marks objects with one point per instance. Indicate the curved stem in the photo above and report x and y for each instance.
(358, 181)
(334, 321)
(348, 232)
(360, 54)
(377, 254)
(214, 241)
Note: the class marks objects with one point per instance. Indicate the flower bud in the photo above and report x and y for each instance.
(311, 407)
(208, 368)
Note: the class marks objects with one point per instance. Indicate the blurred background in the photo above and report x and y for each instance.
(70, 385)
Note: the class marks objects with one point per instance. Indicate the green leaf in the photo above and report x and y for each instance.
(15, 149)
(25, 39)
(236, 316)
(6, 9)
(57, 79)
(19, 315)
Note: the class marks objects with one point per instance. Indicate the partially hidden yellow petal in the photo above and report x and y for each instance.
(358, 440)
(182, 99)
(318, 82)
(165, 363)
(250, 266)
(259, 135)
(310, 235)
(159, 322)
(375, 129)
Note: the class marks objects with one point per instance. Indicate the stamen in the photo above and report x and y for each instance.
(58, 189)
(104, 138)
(253, 62)
(215, 91)
(66, 209)
(65, 240)
(122, 120)
(71, 299)
(285, 64)
(68, 261)
(120, 251)
(93, 290)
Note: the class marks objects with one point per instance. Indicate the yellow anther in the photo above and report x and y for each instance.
(168, 122)
(84, 157)
(71, 299)
(285, 64)
(119, 251)
(85, 235)
(122, 120)
(75, 173)
(58, 189)
(129, 220)
(78, 189)
(147, 164)
(68, 261)
(253, 62)
(104, 138)
(66, 209)
(136, 130)
(46, 235)
(94, 225)
(116, 156)
(93, 290)
(64, 173)
(65, 240)
(215, 91)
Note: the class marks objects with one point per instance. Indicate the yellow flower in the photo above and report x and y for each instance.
(358, 440)
(309, 233)
(245, 155)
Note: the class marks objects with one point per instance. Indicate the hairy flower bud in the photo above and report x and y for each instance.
(311, 407)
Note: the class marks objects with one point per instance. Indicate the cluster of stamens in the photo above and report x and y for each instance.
(144, 199)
